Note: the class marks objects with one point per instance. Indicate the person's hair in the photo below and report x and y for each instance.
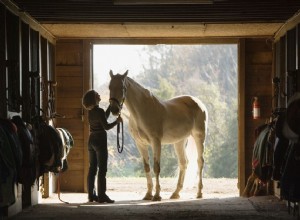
(89, 99)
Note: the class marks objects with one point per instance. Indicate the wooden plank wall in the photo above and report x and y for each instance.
(258, 82)
(69, 90)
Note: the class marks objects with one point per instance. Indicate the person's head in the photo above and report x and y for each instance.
(90, 99)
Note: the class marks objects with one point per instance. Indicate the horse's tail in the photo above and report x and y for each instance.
(203, 113)
(201, 116)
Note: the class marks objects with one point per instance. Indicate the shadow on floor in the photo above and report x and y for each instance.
(130, 208)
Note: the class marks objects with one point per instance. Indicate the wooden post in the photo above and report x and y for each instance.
(241, 116)
(87, 84)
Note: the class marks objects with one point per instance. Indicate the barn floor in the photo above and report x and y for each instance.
(258, 208)
(215, 204)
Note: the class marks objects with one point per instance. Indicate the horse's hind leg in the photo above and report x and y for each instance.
(199, 140)
(144, 153)
(182, 163)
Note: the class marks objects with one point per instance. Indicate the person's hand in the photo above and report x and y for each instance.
(119, 119)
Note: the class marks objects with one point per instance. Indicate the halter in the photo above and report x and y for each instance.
(120, 104)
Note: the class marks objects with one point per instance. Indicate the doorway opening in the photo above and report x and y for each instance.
(208, 72)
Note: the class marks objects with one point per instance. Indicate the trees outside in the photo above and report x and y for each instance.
(208, 72)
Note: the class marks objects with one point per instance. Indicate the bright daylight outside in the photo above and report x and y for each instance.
(208, 72)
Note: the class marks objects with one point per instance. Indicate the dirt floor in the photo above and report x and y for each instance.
(220, 201)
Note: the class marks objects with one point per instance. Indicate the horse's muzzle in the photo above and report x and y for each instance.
(115, 107)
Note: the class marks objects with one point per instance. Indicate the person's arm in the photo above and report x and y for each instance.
(107, 112)
(104, 122)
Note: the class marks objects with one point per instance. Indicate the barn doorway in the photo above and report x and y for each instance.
(208, 72)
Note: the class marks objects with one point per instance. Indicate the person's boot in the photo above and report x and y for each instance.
(102, 197)
(93, 197)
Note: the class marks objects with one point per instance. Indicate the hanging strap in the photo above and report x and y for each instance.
(120, 146)
(58, 189)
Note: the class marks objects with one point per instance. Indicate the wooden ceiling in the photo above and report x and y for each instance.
(230, 11)
(73, 18)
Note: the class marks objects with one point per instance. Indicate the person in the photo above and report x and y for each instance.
(97, 146)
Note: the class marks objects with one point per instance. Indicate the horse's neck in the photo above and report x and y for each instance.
(137, 97)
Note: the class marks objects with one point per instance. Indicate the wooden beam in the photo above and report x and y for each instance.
(29, 20)
(288, 25)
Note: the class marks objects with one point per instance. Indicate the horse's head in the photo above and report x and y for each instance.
(117, 92)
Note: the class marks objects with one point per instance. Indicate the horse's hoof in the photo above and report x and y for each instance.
(199, 195)
(148, 196)
(156, 198)
(175, 196)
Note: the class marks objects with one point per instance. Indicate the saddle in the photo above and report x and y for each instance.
(8, 171)
(50, 148)
(68, 143)
(28, 171)
(262, 154)
(262, 161)
(289, 171)
(10, 130)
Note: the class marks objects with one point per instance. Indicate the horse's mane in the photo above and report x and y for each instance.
(130, 82)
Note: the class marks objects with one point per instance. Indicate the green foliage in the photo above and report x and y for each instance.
(221, 160)
(165, 90)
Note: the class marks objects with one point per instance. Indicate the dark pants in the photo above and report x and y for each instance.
(98, 155)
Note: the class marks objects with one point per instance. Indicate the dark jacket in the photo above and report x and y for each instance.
(98, 120)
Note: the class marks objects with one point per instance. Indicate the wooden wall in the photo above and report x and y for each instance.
(69, 91)
(258, 82)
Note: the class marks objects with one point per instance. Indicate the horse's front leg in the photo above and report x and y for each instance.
(143, 149)
(156, 148)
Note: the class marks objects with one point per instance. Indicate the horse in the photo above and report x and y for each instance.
(156, 122)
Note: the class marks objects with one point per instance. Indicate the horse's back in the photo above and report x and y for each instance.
(186, 102)
(184, 115)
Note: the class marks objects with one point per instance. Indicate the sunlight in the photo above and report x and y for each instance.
(192, 168)
(118, 58)
(208, 72)
(130, 191)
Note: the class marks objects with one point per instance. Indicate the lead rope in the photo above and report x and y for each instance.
(58, 189)
(120, 147)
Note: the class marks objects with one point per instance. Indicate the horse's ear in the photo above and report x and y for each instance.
(111, 73)
(125, 74)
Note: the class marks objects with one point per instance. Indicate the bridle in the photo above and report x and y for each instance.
(120, 105)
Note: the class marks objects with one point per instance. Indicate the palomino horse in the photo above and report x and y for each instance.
(155, 122)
